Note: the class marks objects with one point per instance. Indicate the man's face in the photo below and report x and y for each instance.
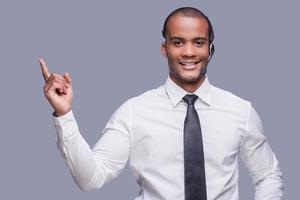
(187, 49)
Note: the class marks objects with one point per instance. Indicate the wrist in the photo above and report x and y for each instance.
(58, 114)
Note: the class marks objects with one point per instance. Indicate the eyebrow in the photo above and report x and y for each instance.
(197, 38)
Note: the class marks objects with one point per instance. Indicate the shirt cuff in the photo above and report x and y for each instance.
(66, 126)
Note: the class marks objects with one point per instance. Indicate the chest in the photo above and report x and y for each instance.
(158, 138)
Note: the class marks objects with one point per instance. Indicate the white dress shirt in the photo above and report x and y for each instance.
(147, 131)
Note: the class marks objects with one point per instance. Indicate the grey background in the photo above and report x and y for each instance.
(111, 50)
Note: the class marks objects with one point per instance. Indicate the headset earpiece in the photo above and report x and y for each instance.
(211, 51)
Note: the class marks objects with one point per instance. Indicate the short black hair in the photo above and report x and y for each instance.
(189, 12)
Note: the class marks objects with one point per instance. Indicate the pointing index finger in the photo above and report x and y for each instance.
(44, 68)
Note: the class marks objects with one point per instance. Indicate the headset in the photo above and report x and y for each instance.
(211, 38)
(211, 51)
(210, 41)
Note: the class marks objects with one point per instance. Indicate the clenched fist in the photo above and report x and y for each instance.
(58, 90)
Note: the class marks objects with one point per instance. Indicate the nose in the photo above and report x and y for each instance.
(189, 50)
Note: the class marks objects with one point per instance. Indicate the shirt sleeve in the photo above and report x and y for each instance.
(91, 168)
(261, 161)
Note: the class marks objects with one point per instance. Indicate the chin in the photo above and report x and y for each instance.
(188, 76)
(191, 79)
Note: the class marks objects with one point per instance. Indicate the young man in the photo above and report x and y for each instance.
(182, 139)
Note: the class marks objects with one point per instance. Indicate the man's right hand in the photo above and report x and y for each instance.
(58, 90)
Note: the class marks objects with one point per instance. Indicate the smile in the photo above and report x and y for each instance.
(189, 65)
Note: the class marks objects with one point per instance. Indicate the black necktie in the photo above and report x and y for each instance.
(194, 171)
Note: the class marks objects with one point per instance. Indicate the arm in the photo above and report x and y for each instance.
(260, 160)
(91, 168)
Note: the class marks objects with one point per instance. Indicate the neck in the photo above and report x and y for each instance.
(189, 87)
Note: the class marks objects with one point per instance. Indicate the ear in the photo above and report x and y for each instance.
(163, 49)
(211, 51)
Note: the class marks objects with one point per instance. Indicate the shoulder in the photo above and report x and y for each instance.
(225, 95)
(149, 96)
(226, 99)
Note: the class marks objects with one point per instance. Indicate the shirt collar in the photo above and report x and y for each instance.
(176, 93)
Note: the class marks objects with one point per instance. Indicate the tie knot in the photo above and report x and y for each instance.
(190, 98)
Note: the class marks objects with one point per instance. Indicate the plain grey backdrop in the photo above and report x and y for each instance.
(112, 51)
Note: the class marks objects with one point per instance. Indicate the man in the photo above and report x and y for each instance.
(182, 139)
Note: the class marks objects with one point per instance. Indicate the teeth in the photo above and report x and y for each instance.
(189, 64)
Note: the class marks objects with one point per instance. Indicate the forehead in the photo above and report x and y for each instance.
(187, 27)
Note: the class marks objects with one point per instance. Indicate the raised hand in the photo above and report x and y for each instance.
(57, 90)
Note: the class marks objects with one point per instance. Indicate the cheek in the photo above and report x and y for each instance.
(204, 52)
(173, 54)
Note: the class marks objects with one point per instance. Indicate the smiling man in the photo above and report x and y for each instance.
(183, 139)
(187, 48)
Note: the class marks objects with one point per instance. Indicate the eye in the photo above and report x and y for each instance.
(177, 43)
(199, 43)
